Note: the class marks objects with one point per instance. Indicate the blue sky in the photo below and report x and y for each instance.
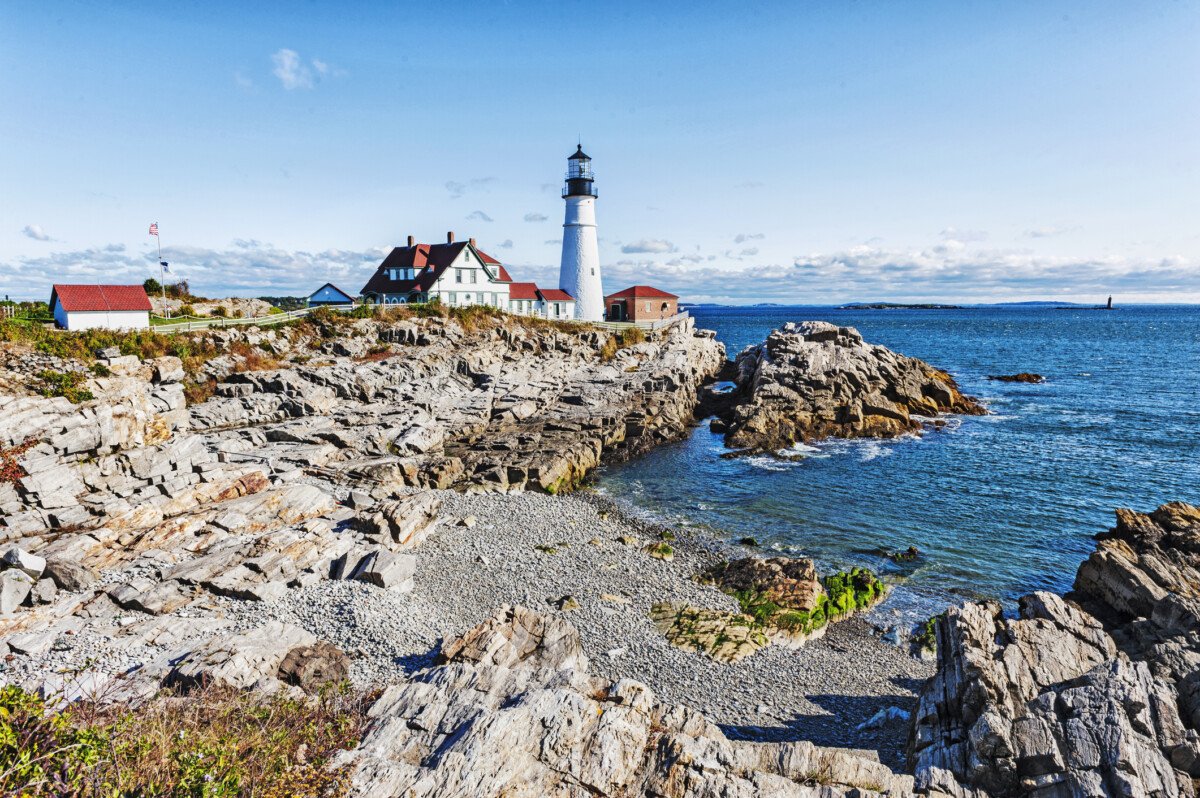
(792, 152)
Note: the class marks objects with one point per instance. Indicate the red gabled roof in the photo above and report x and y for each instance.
(501, 274)
(428, 261)
(523, 291)
(556, 295)
(100, 297)
(641, 292)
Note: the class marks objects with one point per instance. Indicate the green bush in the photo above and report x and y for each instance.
(220, 312)
(59, 383)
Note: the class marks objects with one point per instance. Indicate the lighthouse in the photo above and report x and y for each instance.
(579, 274)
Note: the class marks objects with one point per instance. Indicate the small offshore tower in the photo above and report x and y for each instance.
(579, 273)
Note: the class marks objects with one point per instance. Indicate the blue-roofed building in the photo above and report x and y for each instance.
(329, 294)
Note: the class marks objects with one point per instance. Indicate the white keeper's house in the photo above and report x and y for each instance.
(457, 273)
(103, 307)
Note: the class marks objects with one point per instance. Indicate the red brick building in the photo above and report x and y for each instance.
(640, 303)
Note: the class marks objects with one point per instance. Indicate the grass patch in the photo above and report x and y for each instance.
(209, 744)
(83, 344)
(666, 534)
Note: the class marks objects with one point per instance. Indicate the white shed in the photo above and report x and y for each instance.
(103, 307)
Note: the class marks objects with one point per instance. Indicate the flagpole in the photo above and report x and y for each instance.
(162, 276)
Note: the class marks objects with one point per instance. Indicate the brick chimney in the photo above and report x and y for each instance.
(450, 237)
(412, 241)
(472, 242)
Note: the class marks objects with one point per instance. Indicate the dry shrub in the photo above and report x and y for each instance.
(197, 392)
(623, 338)
(251, 358)
(212, 743)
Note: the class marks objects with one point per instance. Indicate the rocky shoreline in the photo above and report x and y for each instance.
(389, 501)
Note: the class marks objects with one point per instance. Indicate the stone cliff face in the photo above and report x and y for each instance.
(1096, 695)
(502, 409)
(815, 380)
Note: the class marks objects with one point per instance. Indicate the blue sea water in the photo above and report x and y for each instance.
(999, 505)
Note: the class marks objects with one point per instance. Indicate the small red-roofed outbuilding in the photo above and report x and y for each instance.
(641, 303)
(100, 307)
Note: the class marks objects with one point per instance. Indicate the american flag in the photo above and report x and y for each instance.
(154, 228)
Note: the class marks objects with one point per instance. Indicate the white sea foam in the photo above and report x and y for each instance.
(872, 450)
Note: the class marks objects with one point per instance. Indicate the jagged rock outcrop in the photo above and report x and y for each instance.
(790, 582)
(515, 408)
(816, 380)
(1093, 695)
(539, 725)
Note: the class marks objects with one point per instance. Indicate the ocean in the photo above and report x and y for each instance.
(999, 505)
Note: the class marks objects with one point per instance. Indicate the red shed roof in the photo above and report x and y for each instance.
(523, 291)
(555, 295)
(641, 292)
(100, 297)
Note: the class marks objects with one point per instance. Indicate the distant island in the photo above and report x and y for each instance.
(896, 306)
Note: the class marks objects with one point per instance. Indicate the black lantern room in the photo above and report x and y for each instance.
(579, 176)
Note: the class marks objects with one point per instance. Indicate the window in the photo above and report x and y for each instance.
(466, 299)
(458, 275)
(453, 298)
(473, 273)
(647, 306)
(557, 308)
(593, 271)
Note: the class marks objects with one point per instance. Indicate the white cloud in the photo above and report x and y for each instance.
(506, 243)
(290, 70)
(480, 215)
(648, 245)
(935, 273)
(964, 236)
(457, 189)
(35, 232)
(320, 66)
(1051, 230)
(536, 217)
(238, 271)
(741, 238)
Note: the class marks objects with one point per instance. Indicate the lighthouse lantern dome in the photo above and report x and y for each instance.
(579, 175)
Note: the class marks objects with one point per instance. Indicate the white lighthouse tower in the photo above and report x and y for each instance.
(579, 274)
